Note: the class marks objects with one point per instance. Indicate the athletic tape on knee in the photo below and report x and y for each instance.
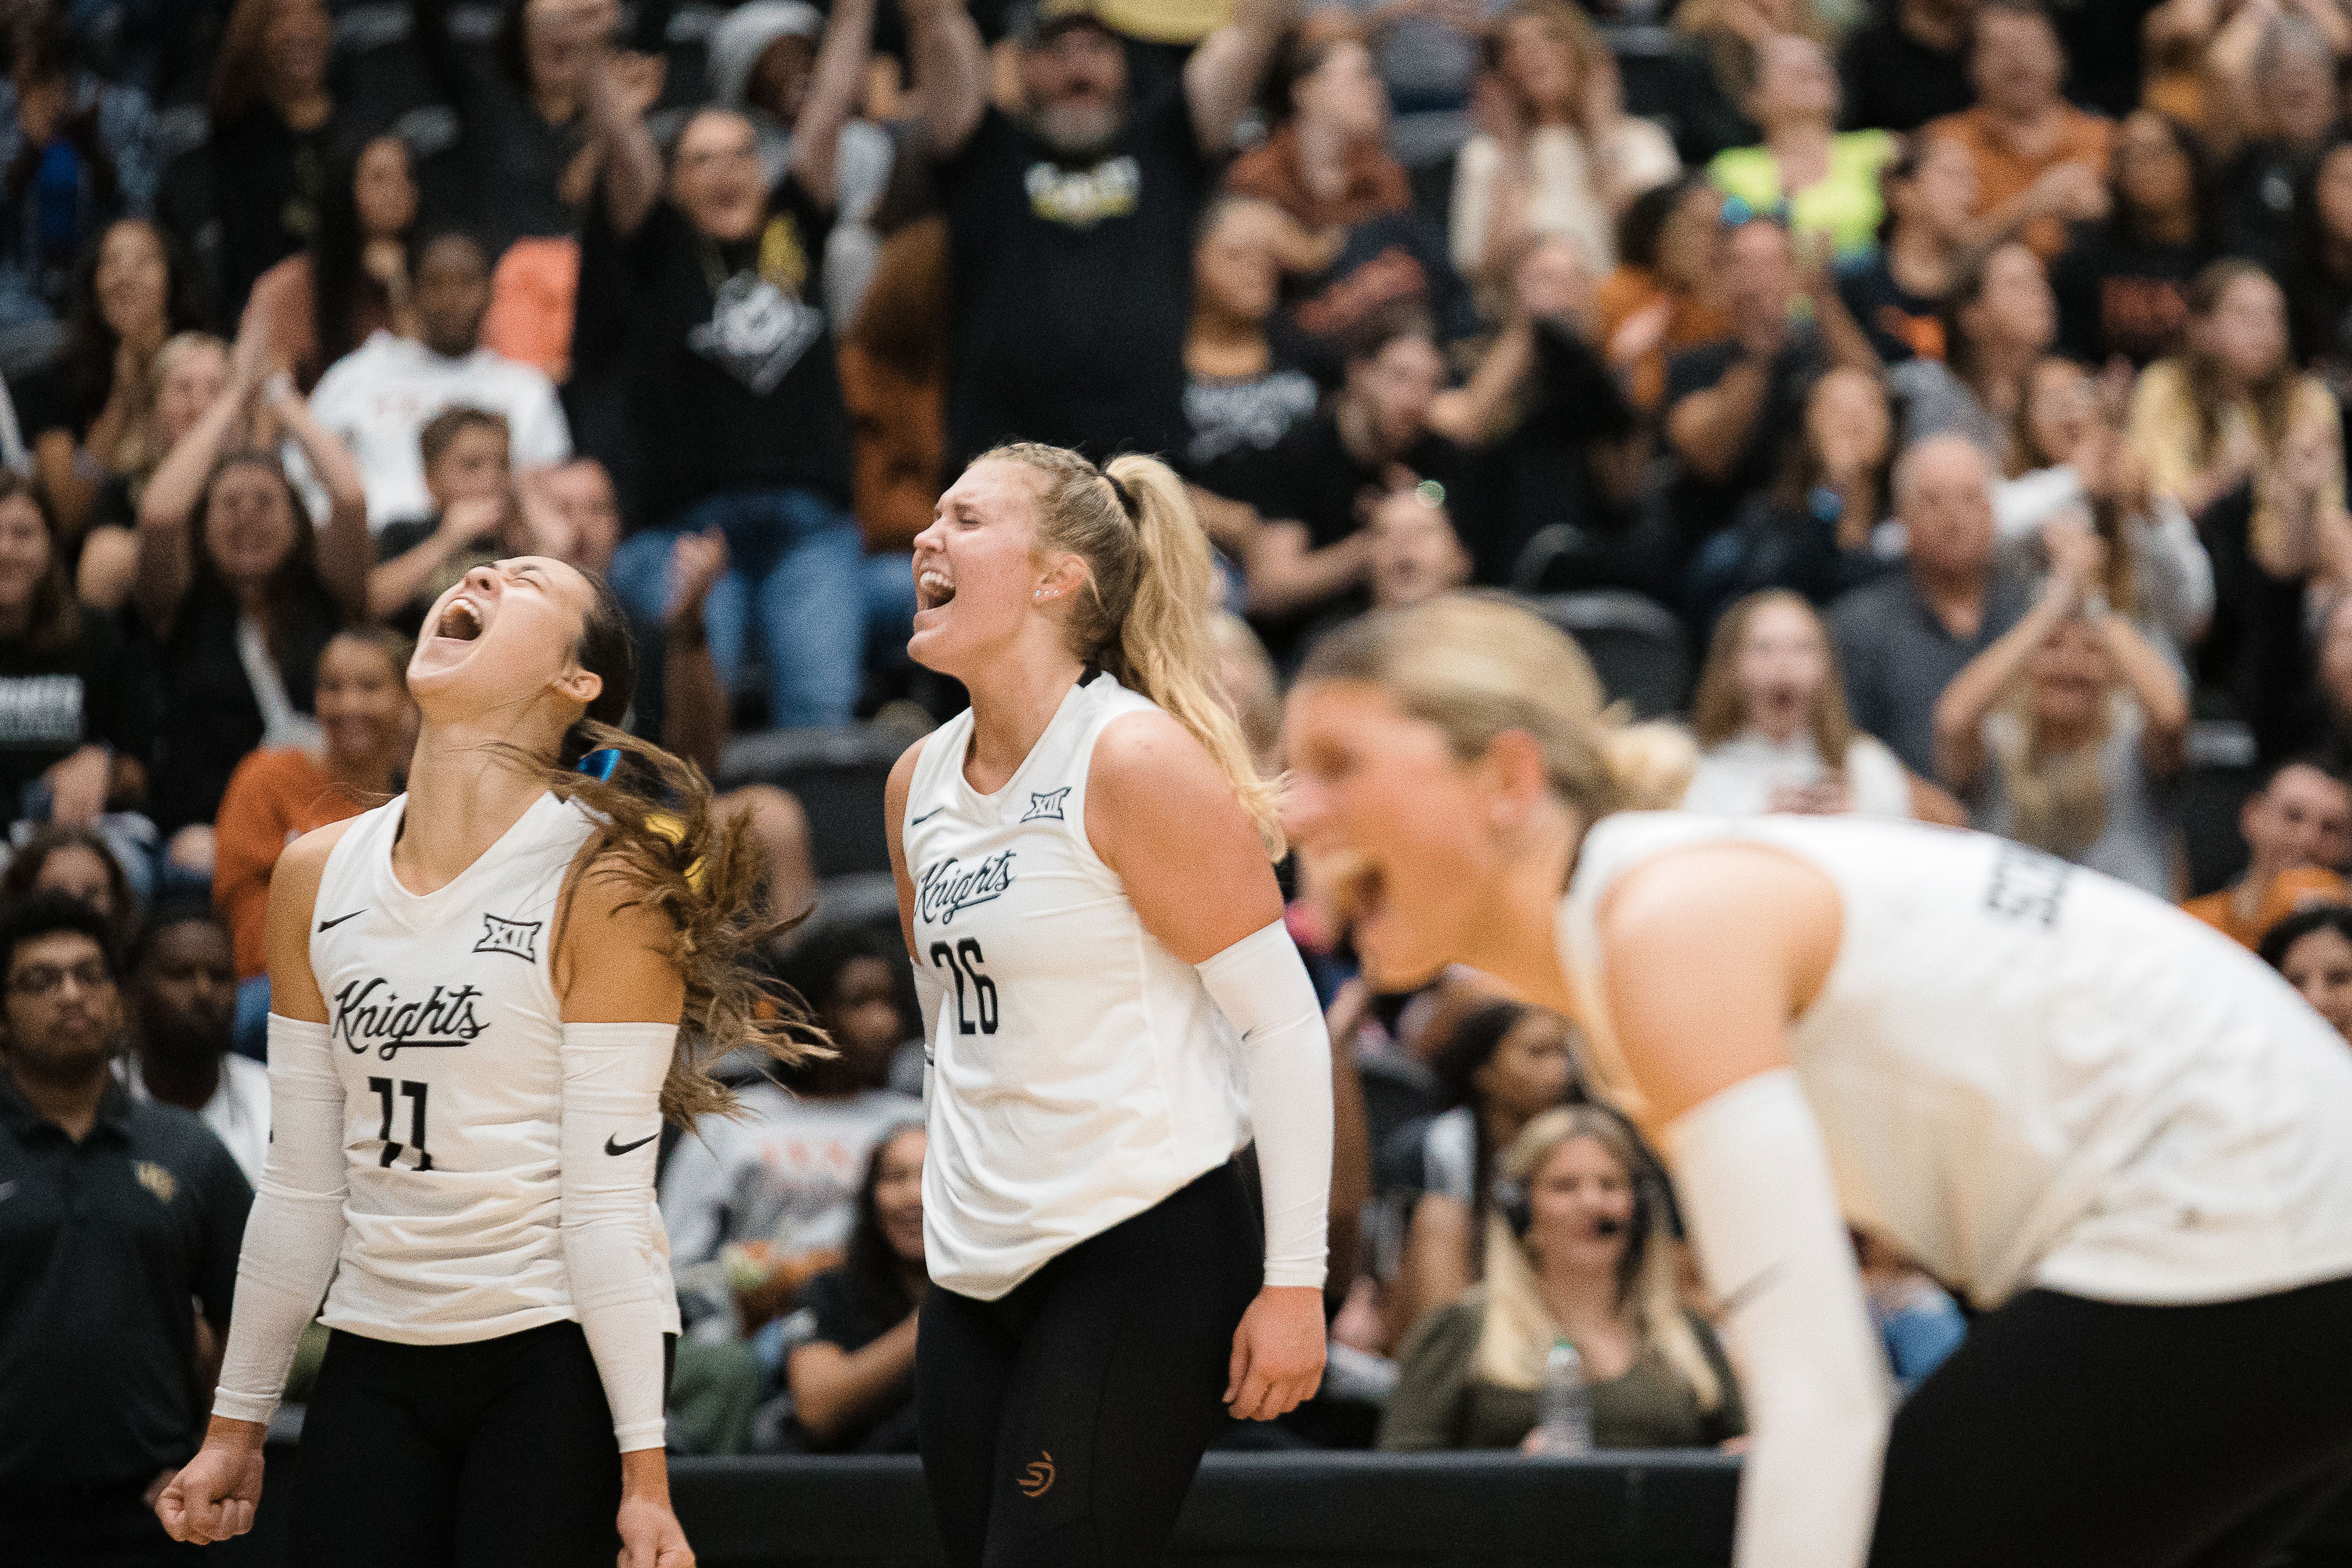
(1261, 988)
(1754, 1181)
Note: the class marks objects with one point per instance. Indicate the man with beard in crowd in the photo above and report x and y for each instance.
(1071, 222)
(184, 1004)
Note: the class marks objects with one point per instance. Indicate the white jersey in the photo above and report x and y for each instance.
(1079, 1072)
(2027, 1074)
(446, 1031)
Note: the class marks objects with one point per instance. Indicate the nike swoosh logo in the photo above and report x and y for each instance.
(612, 1148)
(330, 925)
(919, 821)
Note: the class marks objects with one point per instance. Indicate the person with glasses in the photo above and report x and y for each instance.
(115, 1212)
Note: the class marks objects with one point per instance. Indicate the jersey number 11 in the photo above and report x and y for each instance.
(414, 1094)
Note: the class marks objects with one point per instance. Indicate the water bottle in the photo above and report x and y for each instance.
(1564, 1408)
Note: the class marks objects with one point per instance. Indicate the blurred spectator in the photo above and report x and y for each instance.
(2276, 106)
(702, 301)
(853, 1374)
(1908, 65)
(2318, 278)
(1327, 165)
(2297, 825)
(1248, 685)
(238, 594)
(1771, 723)
(274, 127)
(79, 152)
(581, 494)
(2040, 162)
(79, 864)
(1999, 319)
(2123, 284)
(2314, 950)
(471, 517)
(123, 1213)
(191, 370)
(1559, 156)
(1894, 294)
(1729, 406)
(1071, 221)
(183, 1008)
(1825, 180)
(1590, 1262)
(2069, 732)
(894, 376)
(74, 723)
(1241, 397)
(86, 417)
(352, 280)
(2225, 412)
(1901, 639)
(279, 793)
(1501, 1066)
(1735, 31)
(1812, 533)
(1416, 553)
(2078, 467)
(763, 57)
(380, 398)
(1918, 1323)
(758, 1204)
(1661, 300)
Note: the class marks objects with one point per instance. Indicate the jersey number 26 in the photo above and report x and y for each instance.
(963, 963)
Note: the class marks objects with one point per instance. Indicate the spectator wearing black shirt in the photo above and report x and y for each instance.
(2269, 115)
(1730, 405)
(853, 1377)
(237, 595)
(274, 126)
(1241, 397)
(1892, 294)
(353, 279)
(2320, 277)
(708, 301)
(2122, 284)
(1908, 67)
(73, 718)
(121, 1212)
(1071, 222)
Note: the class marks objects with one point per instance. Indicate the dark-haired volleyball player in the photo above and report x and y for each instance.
(2123, 1136)
(477, 993)
(1113, 1007)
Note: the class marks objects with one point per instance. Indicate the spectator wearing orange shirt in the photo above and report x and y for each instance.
(2298, 830)
(2040, 163)
(1658, 301)
(279, 793)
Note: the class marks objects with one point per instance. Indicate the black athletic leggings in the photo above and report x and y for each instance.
(498, 1453)
(2073, 1434)
(1062, 1423)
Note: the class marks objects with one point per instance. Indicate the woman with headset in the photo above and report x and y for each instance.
(1577, 1248)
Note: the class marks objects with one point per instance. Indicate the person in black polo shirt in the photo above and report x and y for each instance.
(703, 288)
(114, 1213)
(1071, 222)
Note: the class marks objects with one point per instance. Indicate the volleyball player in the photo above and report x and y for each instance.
(477, 991)
(1112, 1005)
(2122, 1136)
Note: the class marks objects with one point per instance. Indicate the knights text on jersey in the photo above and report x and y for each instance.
(1079, 1071)
(446, 1034)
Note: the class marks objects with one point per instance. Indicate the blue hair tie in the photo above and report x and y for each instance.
(600, 764)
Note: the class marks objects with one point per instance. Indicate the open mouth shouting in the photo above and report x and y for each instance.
(933, 589)
(461, 620)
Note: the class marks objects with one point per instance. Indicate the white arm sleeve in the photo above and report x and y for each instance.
(296, 1230)
(1754, 1180)
(612, 1101)
(1262, 986)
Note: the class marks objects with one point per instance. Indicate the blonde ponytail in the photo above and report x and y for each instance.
(1150, 594)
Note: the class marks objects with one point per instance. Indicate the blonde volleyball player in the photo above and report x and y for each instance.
(2118, 1132)
(477, 992)
(1113, 1007)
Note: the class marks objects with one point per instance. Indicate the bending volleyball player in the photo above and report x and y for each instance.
(1112, 1005)
(477, 992)
(2113, 1128)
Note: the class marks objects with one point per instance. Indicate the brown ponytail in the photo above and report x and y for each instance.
(657, 832)
(1150, 596)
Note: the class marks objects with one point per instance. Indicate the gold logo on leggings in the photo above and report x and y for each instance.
(1039, 1478)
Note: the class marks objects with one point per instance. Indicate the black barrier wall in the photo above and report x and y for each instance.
(1628, 1509)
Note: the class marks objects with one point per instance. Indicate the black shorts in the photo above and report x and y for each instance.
(498, 1453)
(1061, 1424)
(2073, 1434)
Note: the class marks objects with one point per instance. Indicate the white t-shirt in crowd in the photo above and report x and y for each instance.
(238, 1111)
(785, 1172)
(382, 394)
(1739, 777)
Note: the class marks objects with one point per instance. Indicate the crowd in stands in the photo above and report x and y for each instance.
(1944, 399)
